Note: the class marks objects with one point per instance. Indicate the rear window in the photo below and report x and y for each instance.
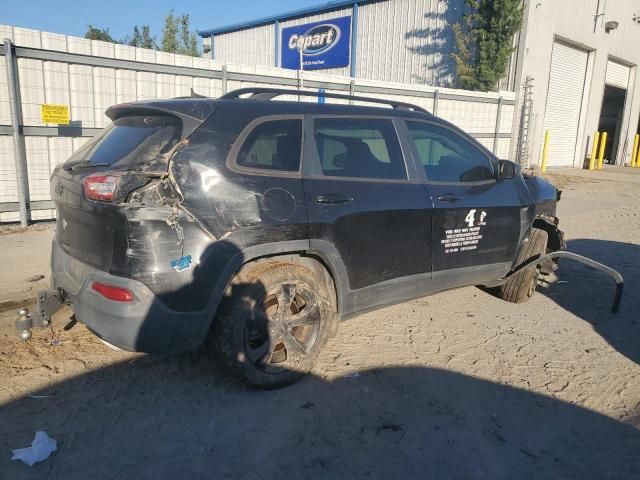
(131, 143)
(273, 145)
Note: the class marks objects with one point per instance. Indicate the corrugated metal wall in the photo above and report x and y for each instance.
(564, 102)
(254, 46)
(404, 41)
(617, 74)
(407, 41)
(89, 90)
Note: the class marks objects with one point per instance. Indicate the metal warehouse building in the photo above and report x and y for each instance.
(581, 57)
(405, 41)
(574, 68)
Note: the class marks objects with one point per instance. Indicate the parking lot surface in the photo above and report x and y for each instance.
(456, 385)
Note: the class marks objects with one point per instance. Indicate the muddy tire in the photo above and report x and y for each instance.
(273, 324)
(521, 287)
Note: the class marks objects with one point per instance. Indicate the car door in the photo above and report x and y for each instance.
(362, 205)
(476, 221)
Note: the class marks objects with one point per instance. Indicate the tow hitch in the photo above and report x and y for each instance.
(49, 302)
(615, 275)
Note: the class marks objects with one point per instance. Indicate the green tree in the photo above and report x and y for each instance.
(141, 38)
(484, 42)
(188, 39)
(147, 41)
(177, 36)
(169, 42)
(95, 33)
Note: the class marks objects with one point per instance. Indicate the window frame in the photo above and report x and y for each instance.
(417, 161)
(232, 158)
(312, 168)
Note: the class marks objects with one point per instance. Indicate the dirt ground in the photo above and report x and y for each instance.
(457, 385)
(24, 269)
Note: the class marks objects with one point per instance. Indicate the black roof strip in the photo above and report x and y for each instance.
(258, 93)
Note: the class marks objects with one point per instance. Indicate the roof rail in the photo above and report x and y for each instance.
(259, 93)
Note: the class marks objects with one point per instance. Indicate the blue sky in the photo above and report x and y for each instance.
(71, 17)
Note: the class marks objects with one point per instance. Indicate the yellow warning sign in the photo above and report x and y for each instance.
(55, 113)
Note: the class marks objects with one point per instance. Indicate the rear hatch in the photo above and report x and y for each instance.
(92, 188)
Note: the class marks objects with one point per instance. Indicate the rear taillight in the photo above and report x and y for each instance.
(100, 187)
(117, 294)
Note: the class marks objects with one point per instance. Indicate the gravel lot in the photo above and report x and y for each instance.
(457, 385)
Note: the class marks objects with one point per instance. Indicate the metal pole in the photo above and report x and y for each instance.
(545, 152)
(496, 135)
(354, 41)
(224, 79)
(603, 144)
(300, 84)
(19, 149)
(301, 61)
(352, 90)
(436, 96)
(276, 43)
(594, 150)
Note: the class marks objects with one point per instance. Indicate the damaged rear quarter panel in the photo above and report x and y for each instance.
(234, 210)
(243, 208)
(160, 232)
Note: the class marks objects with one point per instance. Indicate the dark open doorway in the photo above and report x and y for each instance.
(611, 120)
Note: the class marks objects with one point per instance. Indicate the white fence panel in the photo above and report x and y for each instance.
(121, 73)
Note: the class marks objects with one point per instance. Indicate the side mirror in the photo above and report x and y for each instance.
(507, 169)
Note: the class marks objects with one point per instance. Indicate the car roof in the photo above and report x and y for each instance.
(199, 107)
(195, 110)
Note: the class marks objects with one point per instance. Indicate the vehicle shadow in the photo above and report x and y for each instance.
(588, 293)
(177, 417)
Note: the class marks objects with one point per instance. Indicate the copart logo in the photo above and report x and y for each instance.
(316, 40)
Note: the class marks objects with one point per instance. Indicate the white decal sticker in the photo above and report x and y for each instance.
(465, 238)
(470, 218)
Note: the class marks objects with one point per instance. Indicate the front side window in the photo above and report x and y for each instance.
(448, 157)
(358, 147)
(273, 145)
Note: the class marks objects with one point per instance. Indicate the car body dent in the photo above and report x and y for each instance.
(223, 219)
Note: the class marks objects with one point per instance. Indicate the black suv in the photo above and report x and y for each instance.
(254, 225)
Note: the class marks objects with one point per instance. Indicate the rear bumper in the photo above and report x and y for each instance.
(143, 325)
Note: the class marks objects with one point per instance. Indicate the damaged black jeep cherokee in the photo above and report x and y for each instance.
(254, 226)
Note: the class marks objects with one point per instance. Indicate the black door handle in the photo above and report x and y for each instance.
(449, 197)
(333, 199)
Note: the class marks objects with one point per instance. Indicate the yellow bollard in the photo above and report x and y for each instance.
(603, 143)
(545, 149)
(594, 150)
(635, 150)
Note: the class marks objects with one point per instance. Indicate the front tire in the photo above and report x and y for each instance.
(520, 287)
(273, 324)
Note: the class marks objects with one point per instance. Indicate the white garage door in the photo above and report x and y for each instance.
(564, 101)
(617, 74)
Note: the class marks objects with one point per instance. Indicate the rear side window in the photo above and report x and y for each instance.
(447, 156)
(354, 147)
(273, 145)
(131, 143)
